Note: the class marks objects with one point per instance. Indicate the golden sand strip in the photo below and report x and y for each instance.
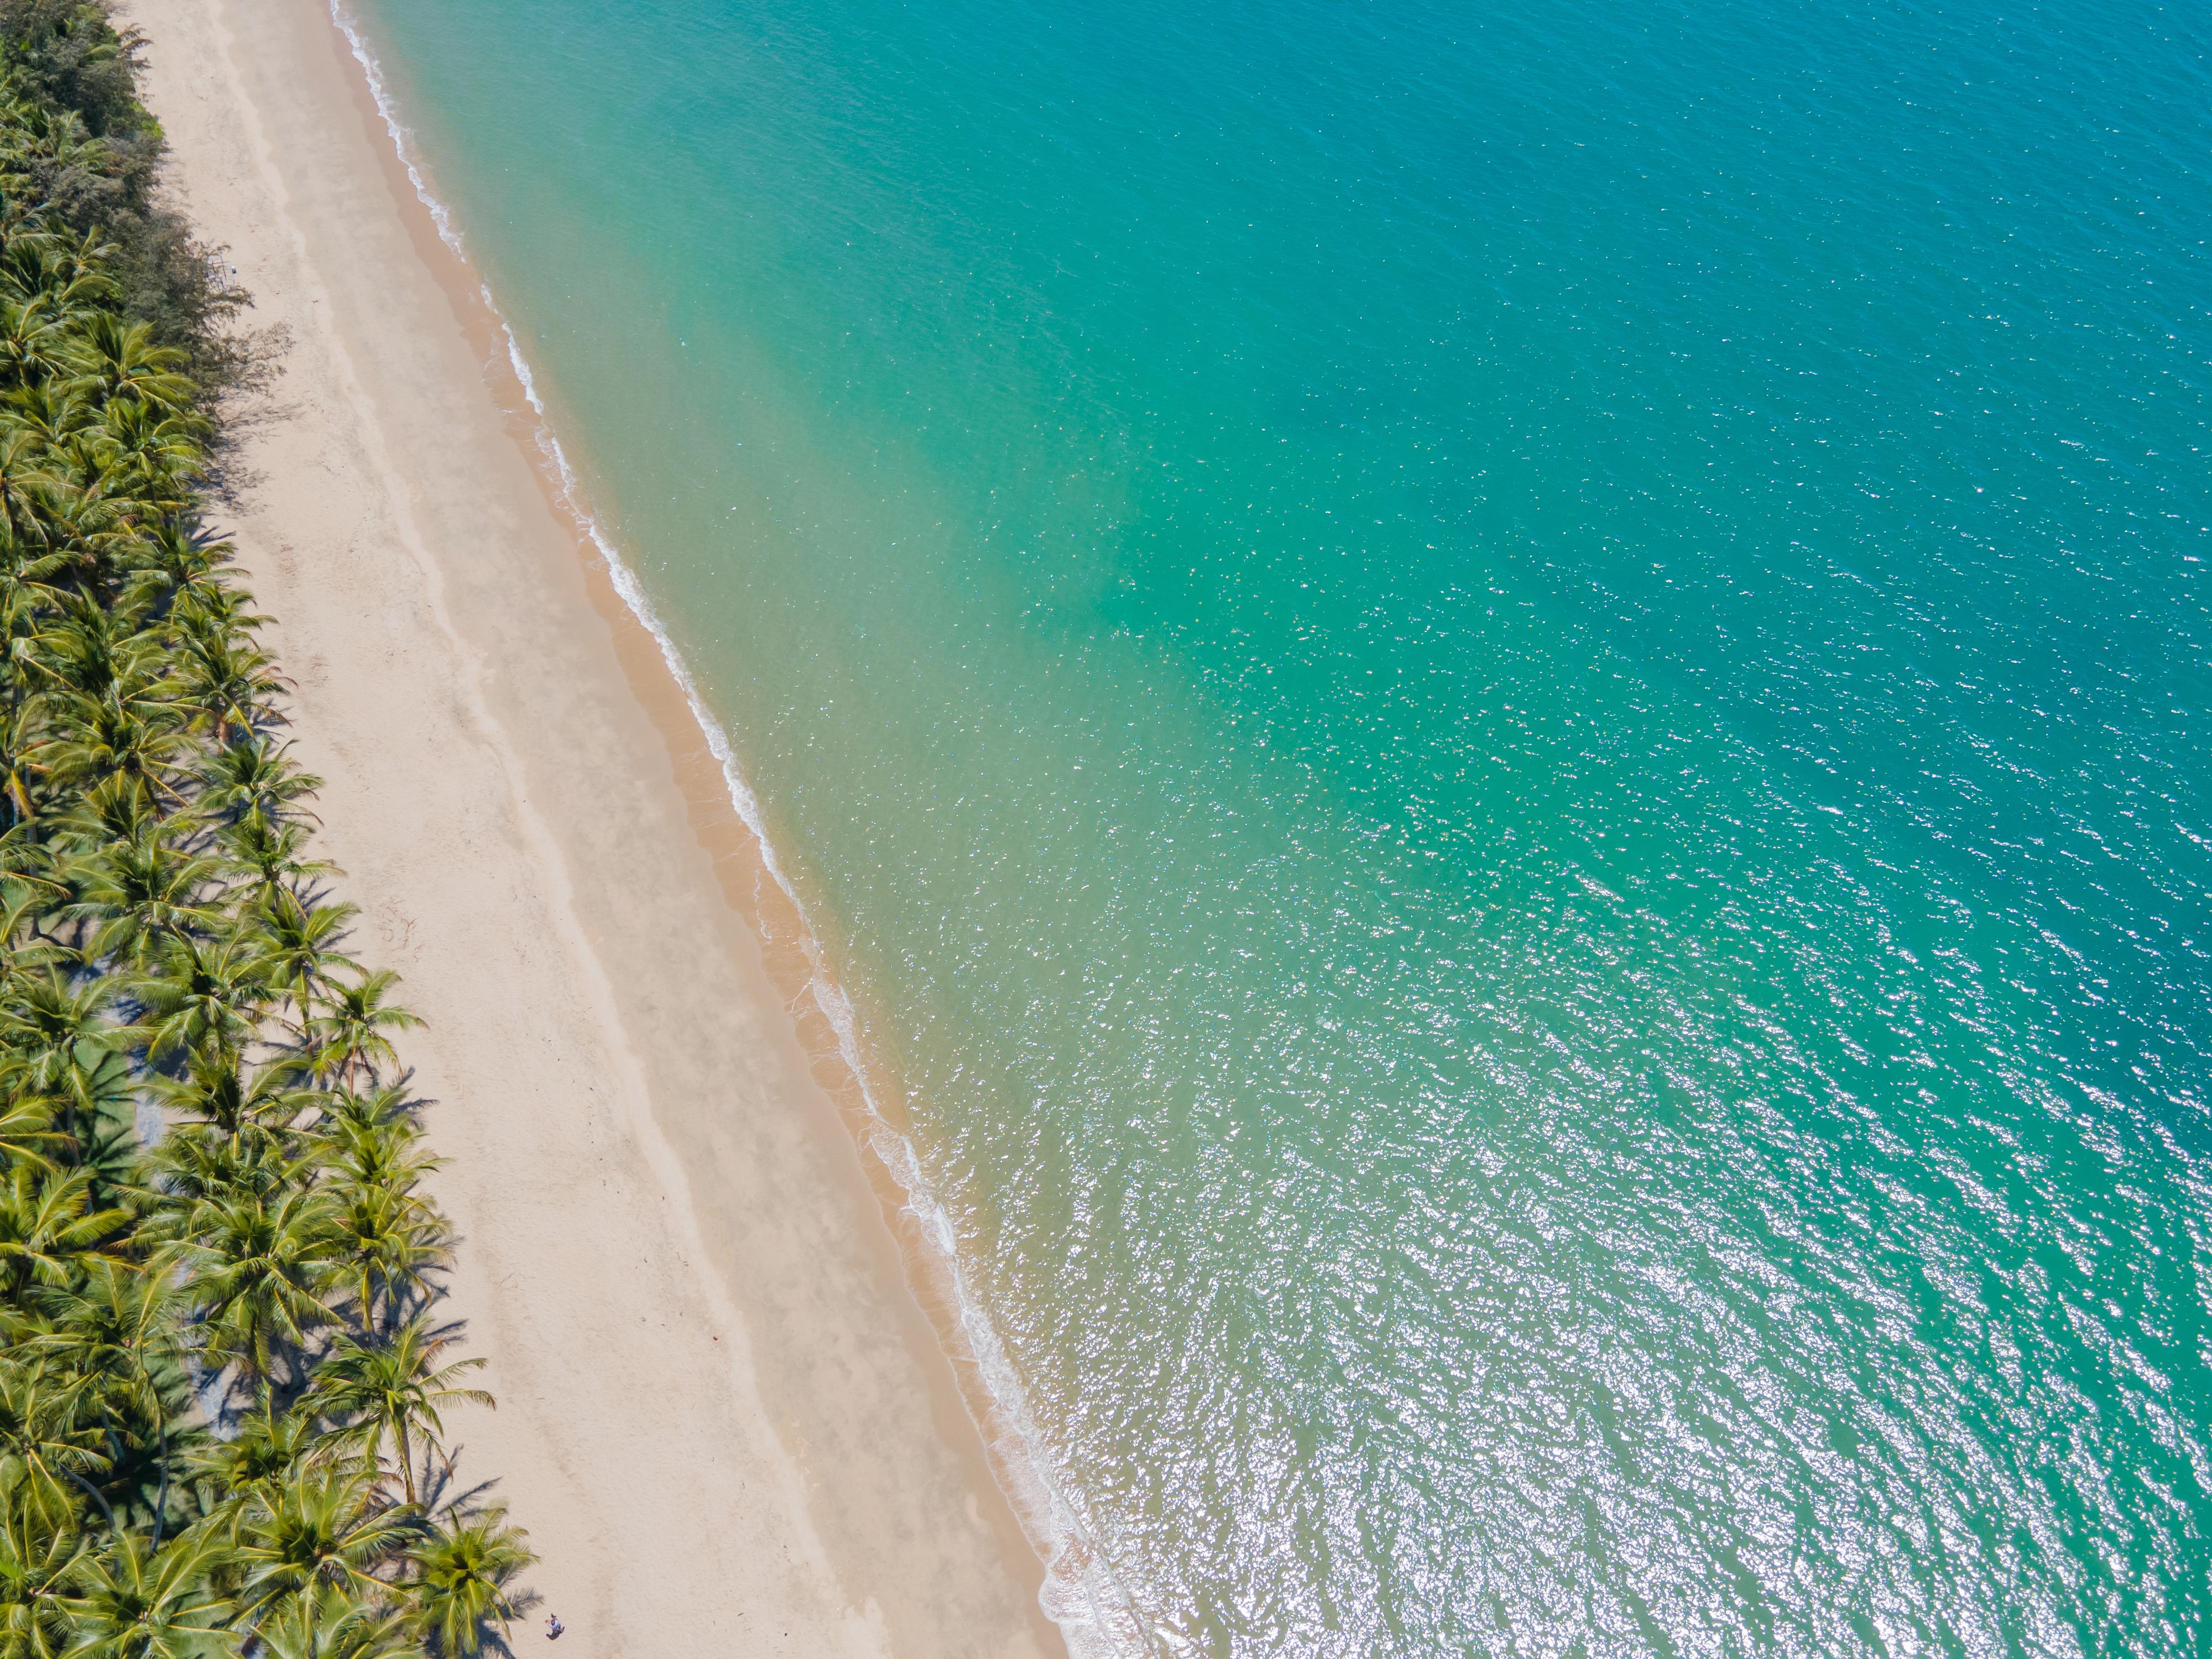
(722, 1417)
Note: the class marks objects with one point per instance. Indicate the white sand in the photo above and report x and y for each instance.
(723, 1418)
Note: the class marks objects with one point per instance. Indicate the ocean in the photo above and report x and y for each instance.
(1497, 715)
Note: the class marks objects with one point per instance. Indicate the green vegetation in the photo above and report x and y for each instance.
(224, 1380)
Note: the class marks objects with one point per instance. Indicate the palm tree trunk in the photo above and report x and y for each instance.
(94, 1493)
(161, 1499)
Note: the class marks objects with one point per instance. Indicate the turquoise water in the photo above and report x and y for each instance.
(1499, 714)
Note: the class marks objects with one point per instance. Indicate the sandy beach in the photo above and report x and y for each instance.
(723, 1416)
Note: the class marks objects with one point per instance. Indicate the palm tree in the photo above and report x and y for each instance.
(27, 1135)
(381, 1150)
(390, 1241)
(43, 1445)
(386, 1106)
(460, 1584)
(270, 852)
(115, 809)
(228, 683)
(207, 995)
(256, 1266)
(36, 1564)
(32, 335)
(23, 728)
(219, 609)
(174, 559)
(24, 483)
(266, 1448)
(135, 1601)
(299, 945)
(48, 412)
(116, 360)
(111, 737)
(109, 1333)
(150, 454)
(320, 1544)
(60, 1031)
(47, 1020)
(71, 272)
(90, 649)
(352, 1037)
(49, 1227)
(335, 1630)
(108, 1327)
(393, 1390)
(252, 777)
(218, 1092)
(140, 892)
(198, 1163)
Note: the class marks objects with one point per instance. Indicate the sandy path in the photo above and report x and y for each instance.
(721, 1416)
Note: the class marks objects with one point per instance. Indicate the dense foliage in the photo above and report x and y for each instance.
(223, 1376)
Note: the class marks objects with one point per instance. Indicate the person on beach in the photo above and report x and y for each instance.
(553, 1627)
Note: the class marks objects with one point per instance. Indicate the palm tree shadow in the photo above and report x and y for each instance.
(496, 1640)
(247, 402)
(443, 1497)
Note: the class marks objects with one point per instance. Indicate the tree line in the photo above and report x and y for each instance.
(225, 1375)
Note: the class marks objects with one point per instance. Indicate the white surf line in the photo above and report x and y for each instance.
(1081, 1593)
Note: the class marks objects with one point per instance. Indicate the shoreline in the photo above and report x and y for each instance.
(725, 818)
(899, 1437)
(934, 1315)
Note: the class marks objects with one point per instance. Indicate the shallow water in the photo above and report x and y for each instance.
(1499, 715)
